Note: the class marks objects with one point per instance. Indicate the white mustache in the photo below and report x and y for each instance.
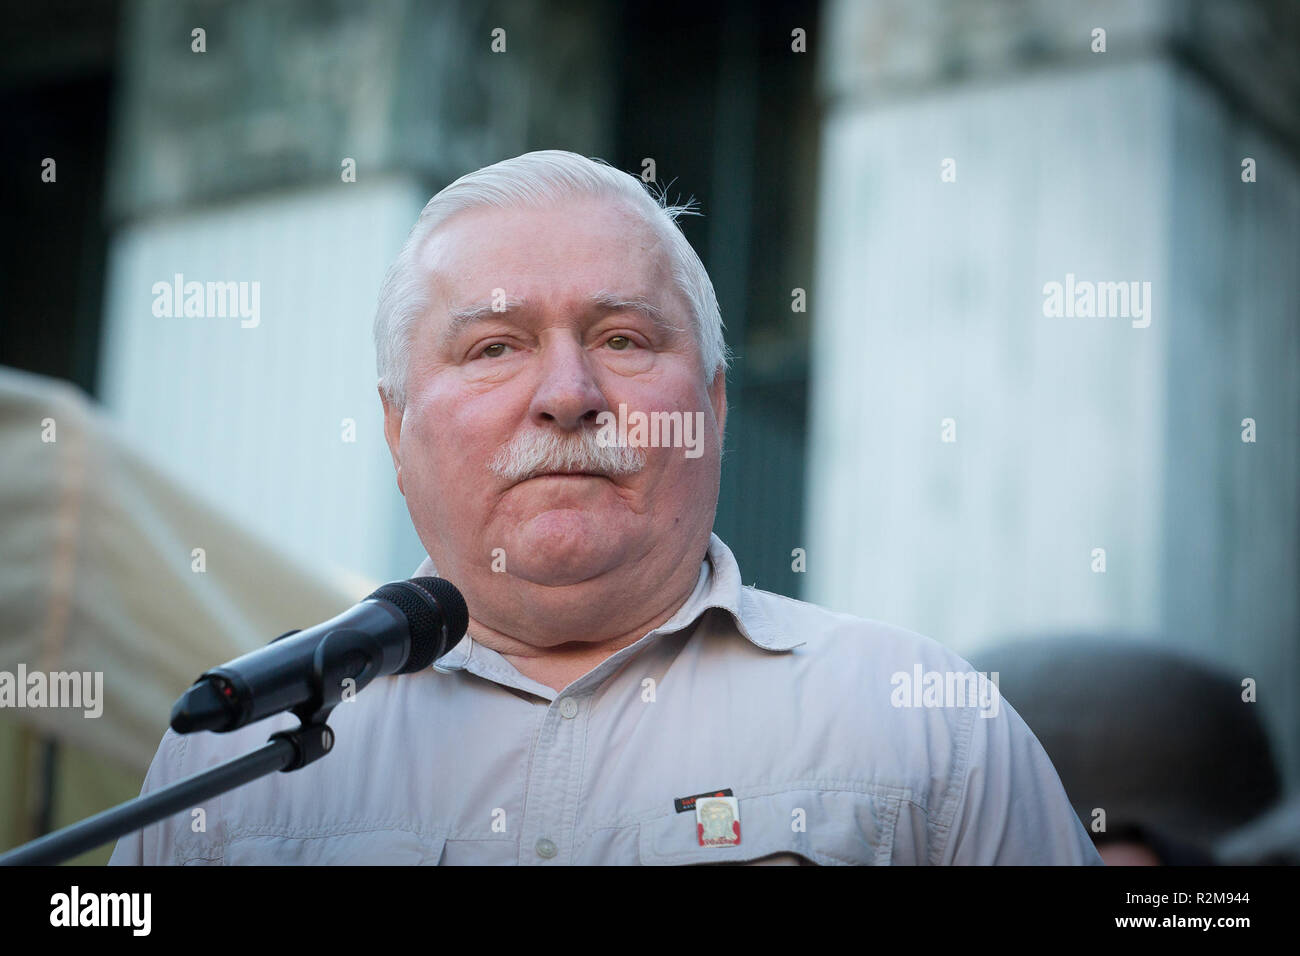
(535, 453)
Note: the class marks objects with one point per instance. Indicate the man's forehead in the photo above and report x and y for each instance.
(475, 273)
(574, 300)
(491, 232)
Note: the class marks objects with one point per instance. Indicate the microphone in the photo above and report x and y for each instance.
(402, 627)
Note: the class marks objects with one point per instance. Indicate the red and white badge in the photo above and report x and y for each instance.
(717, 821)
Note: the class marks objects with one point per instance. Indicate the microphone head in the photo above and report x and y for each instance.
(436, 615)
(454, 611)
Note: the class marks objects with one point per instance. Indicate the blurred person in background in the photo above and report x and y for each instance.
(1164, 757)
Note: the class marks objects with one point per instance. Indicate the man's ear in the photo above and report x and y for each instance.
(393, 434)
(718, 399)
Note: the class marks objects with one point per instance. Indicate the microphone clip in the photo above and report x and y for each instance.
(345, 662)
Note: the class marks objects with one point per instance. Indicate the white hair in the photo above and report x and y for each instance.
(535, 179)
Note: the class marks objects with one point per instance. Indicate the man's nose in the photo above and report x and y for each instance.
(567, 394)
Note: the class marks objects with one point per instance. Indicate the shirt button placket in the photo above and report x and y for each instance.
(552, 786)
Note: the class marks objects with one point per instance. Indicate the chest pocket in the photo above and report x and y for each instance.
(825, 827)
(380, 846)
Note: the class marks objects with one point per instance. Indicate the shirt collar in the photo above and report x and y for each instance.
(718, 586)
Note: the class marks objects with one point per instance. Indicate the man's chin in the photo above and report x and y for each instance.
(563, 571)
(563, 547)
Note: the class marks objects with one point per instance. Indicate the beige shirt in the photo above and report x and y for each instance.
(843, 741)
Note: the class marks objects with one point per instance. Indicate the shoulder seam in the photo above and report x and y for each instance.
(955, 793)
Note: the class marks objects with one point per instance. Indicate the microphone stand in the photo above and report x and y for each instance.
(285, 751)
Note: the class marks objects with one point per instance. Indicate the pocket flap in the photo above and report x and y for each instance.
(378, 846)
(828, 827)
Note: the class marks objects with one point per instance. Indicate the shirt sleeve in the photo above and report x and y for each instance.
(152, 845)
(1011, 807)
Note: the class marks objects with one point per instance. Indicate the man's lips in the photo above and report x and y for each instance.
(557, 473)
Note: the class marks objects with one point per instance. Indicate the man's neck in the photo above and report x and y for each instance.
(560, 665)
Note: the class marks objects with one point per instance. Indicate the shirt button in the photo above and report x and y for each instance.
(569, 707)
(545, 848)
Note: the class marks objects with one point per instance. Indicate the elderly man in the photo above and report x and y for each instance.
(619, 697)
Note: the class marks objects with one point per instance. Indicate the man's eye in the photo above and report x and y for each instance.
(619, 342)
(500, 350)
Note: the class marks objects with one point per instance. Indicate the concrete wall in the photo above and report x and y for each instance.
(1071, 433)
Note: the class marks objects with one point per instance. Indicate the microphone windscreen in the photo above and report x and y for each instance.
(454, 611)
(426, 615)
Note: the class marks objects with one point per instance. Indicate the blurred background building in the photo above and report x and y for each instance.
(888, 186)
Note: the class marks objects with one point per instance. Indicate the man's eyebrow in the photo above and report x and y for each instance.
(461, 318)
(614, 302)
